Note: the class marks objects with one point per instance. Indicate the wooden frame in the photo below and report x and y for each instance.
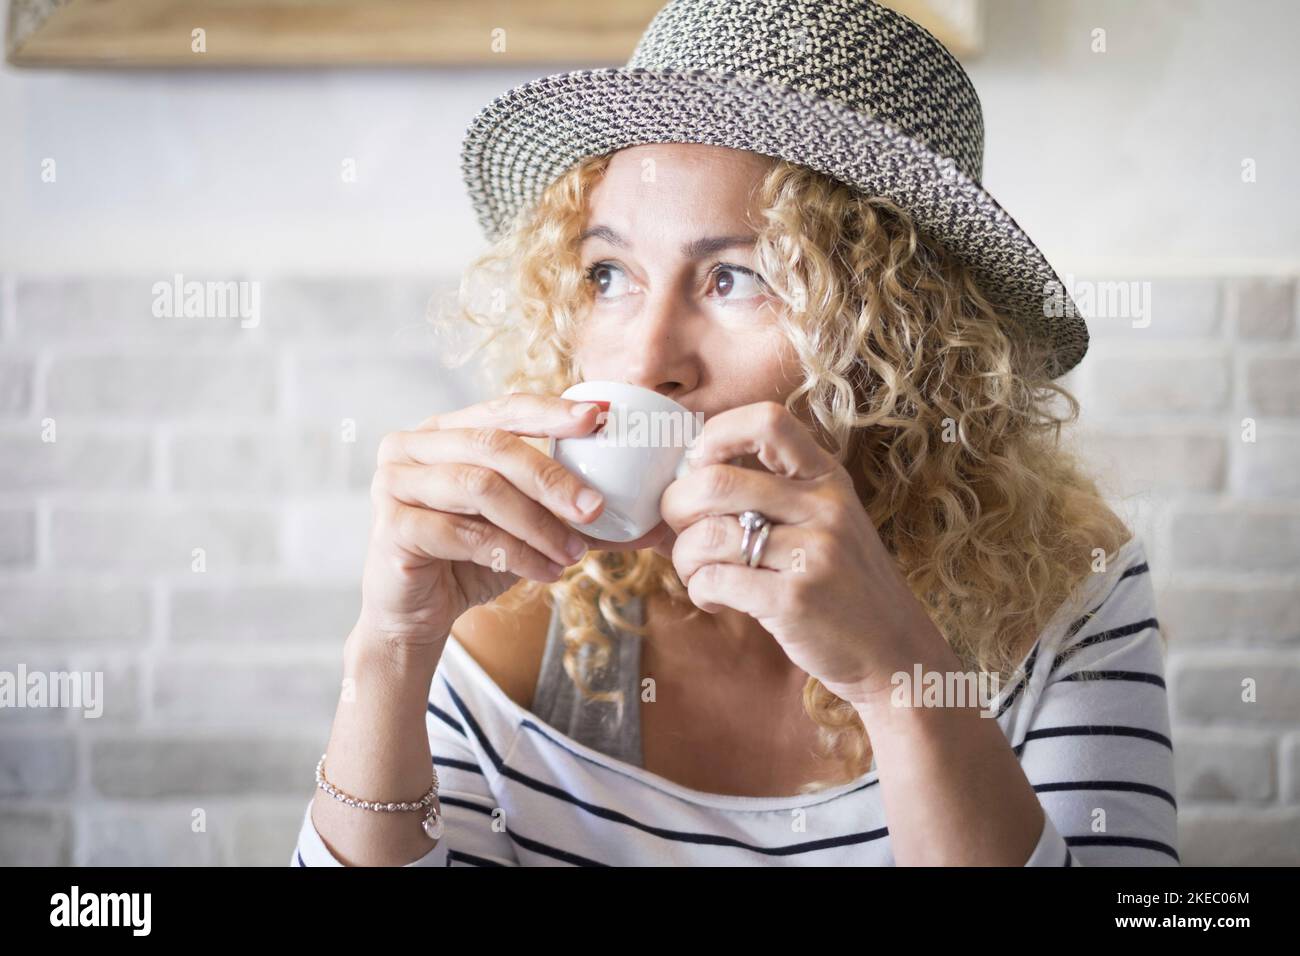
(244, 33)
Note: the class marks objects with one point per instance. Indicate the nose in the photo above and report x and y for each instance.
(660, 348)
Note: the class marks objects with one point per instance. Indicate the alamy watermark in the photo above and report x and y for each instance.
(130, 910)
(1127, 299)
(208, 300)
(922, 688)
(625, 427)
(73, 689)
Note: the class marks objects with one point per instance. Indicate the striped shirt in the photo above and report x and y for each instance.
(1087, 716)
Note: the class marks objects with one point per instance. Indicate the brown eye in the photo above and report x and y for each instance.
(726, 279)
(597, 276)
(602, 276)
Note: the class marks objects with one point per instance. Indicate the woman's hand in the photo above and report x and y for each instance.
(825, 588)
(464, 507)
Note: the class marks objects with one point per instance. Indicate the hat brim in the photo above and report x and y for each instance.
(528, 136)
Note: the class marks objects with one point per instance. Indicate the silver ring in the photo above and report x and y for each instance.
(757, 554)
(753, 521)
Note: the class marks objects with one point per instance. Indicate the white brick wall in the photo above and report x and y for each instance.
(177, 434)
(173, 435)
(1165, 412)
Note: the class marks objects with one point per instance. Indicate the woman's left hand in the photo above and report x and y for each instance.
(826, 588)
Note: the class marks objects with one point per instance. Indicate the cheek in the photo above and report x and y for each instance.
(597, 349)
(755, 368)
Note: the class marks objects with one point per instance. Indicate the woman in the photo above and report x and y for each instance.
(869, 340)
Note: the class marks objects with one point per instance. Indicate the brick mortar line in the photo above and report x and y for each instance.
(313, 347)
(254, 578)
(208, 652)
(42, 559)
(8, 309)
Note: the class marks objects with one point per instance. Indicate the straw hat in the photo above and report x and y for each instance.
(849, 88)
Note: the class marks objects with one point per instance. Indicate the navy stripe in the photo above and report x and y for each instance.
(615, 816)
(1140, 676)
(298, 853)
(545, 849)
(542, 732)
(467, 765)
(545, 735)
(469, 859)
(1074, 628)
(1069, 860)
(1069, 633)
(1020, 684)
(1110, 635)
(1136, 569)
(553, 852)
(534, 845)
(450, 801)
(447, 719)
(1121, 785)
(1083, 730)
(1122, 841)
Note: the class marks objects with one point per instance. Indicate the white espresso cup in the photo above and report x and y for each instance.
(637, 453)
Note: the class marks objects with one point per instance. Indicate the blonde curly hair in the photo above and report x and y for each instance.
(941, 409)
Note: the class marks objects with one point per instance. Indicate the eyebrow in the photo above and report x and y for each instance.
(695, 249)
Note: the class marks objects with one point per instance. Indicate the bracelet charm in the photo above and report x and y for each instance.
(432, 822)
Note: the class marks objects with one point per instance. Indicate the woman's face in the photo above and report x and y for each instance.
(676, 306)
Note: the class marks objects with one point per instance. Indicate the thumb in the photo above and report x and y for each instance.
(664, 545)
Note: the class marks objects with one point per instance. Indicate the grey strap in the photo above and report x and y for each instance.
(595, 723)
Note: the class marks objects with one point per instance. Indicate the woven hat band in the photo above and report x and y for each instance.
(863, 55)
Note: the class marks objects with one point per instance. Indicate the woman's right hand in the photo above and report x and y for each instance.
(463, 508)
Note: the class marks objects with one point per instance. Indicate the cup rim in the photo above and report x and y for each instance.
(605, 387)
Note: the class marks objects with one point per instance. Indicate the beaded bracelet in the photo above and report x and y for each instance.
(432, 821)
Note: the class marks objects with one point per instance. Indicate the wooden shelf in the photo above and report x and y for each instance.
(242, 33)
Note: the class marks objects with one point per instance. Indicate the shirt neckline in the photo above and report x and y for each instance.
(647, 777)
(1065, 614)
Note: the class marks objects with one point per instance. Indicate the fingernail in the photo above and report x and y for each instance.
(577, 411)
(575, 547)
(588, 500)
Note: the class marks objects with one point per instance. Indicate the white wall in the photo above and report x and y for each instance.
(1126, 161)
(1130, 161)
